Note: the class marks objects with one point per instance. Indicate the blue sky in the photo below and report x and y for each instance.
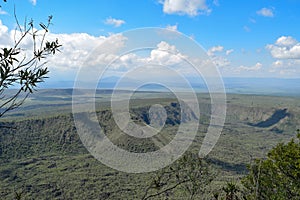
(254, 38)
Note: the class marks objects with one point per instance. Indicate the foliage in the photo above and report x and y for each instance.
(189, 174)
(277, 176)
(21, 69)
(43, 158)
(231, 190)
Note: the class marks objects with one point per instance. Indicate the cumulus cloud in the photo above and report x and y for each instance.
(164, 46)
(285, 47)
(91, 52)
(217, 54)
(114, 22)
(87, 51)
(286, 50)
(172, 28)
(215, 49)
(285, 67)
(277, 64)
(228, 52)
(3, 33)
(265, 12)
(76, 47)
(256, 67)
(165, 54)
(7, 37)
(75, 50)
(221, 61)
(286, 41)
(185, 7)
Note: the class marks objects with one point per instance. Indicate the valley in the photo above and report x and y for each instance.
(42, 155)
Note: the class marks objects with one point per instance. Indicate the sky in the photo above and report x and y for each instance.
(253, 38)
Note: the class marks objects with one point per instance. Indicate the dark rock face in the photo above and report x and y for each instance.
(175, 115)
(274, 119)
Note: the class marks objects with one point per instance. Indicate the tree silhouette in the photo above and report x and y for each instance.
(20, 69)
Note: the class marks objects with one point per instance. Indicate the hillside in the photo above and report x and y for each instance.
(43, 156)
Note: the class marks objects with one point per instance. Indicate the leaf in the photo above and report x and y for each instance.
(44, 27)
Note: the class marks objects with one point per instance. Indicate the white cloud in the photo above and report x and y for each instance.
(285, 47)
(172, 28)
(286, 41)
(3, 29)
(266, 12)
(79, 48)
(84, 50)
(287, 68)
(287, 52)
(256, 67)
(277, 64)
(221, 61)
(2, 12)
(164, 46)
(228, 52)
(217, 54)
(5, 38)
(285, 65)
(33, 2)
(185, 7)
(215, 49)
(165, 54)
(114, 22)
(76, 47)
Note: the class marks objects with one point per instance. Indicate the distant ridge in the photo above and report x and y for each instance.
(235, 85)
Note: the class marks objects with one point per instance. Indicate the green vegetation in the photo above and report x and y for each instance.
(21, 68)
(186, 178)
(277, 176)
(42, 157)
